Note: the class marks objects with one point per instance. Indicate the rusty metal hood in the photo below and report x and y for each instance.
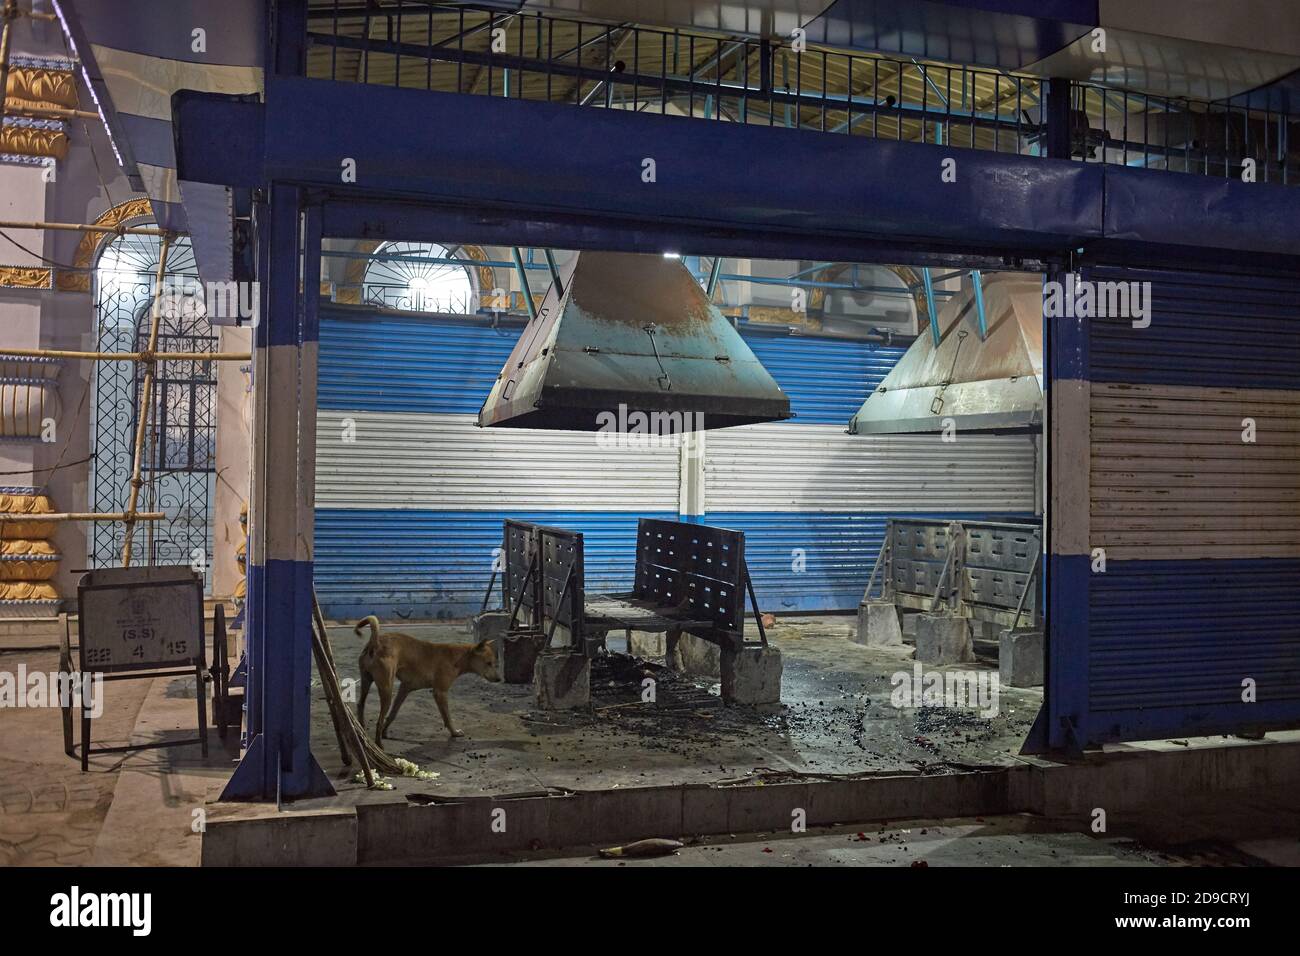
(629, 336)
(989, 385)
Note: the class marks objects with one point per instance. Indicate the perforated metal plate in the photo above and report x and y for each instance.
(695, 570)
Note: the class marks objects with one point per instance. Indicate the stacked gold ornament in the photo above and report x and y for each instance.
(28, 558)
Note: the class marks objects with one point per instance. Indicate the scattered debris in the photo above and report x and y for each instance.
(413, 770)
(380, 782)
(641, 848)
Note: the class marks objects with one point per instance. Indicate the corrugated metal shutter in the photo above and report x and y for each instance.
(827, 379)
(408, 460)
(821, 468)
(1200, 528)
(396, 363)
(813, 500)
(411, 493)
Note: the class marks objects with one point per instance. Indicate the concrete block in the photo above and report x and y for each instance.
(751, 676)
(909, 624)
(517, 655)
(878, 624)
(943, 639)
(298, 838)
(1020, 657)
(640, 644)
(698, 657)
(562, 680)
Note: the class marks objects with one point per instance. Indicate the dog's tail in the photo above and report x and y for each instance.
(374, 631)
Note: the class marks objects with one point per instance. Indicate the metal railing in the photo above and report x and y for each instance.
(460, 49)
(1236, 140)
(643, 69)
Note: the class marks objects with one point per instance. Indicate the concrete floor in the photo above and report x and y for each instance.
(136, 809)
(142, 808)
(997, 841)
(836, 719)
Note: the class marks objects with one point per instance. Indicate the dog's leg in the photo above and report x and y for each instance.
(366, 681)
(385, 698)
(440, 696)
(402, 691)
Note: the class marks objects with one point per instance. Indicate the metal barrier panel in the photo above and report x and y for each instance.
(519, 580)
(984, 570)
(560, 562)
(1000, 562)
(696, 569)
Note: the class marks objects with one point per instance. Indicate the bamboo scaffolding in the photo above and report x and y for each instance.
(82, 516)
(146, 401)
(55, 112)
(129, 356)
(88, 227)
(347, 727)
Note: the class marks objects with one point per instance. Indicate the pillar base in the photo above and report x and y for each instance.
(878, 625)
(562, 680)
(943, 639)
(1020, 657)
(260, 777)
(751, 676)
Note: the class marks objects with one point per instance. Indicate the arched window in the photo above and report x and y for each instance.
(179, 440)
(418, 277)
(182, 417)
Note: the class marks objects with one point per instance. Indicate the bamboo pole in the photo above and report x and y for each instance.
(89, 227)
(129, 356)
(371, 756)
(57, 112)
(146, 397)
(81, 516)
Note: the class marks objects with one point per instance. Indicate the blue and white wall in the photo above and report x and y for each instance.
(410, 493)
(1175, 585)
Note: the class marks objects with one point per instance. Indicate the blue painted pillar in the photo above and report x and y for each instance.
(277, 762)
(1069, 562)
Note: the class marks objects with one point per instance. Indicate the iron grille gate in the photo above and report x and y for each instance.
(1177, 600)
(180, 442)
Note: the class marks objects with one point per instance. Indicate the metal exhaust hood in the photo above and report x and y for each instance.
(626, 336)
(990, 385)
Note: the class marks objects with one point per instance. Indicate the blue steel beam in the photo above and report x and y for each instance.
(929, 305)
(585, 162)
(523, 282)
(715, 270)
(977, 281)
(581, 184)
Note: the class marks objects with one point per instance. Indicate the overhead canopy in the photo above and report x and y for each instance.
(990, 385)
(630, 336)
(136, 54)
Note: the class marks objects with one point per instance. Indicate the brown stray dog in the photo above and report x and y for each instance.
(418, 665)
